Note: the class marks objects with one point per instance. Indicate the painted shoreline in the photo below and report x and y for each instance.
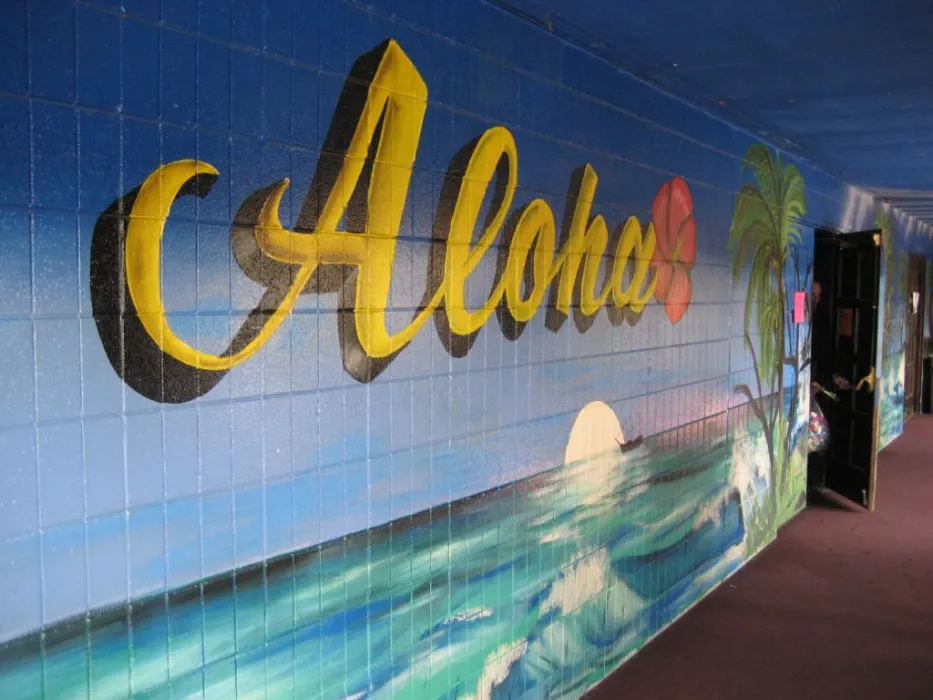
(602, 552)
(67, 629)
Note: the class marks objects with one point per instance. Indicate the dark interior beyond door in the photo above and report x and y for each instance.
(848, 266)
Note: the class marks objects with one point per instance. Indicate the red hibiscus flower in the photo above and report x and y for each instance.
(676, 251)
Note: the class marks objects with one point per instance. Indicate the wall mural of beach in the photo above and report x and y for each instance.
(538, 586)
(398, 361)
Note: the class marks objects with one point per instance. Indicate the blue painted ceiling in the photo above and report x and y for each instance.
(845, 84)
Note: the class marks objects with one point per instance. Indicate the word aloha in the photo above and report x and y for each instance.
(391, 119)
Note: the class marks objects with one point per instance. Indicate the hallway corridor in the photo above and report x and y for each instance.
(840, 606)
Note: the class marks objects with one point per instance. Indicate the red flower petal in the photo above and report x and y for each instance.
(660, 217)
(688, 243)
(672, 215)
(678, 297)
(664, 275)
(681, 202)
(657, 258)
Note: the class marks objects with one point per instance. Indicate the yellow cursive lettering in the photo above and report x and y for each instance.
(461, 259)
(392, 118)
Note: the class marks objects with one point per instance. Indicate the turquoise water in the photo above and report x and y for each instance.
(535, 590)
(892, 399)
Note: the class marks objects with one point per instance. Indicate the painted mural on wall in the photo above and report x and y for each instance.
(292, 488)
(766, 237)
(894, 333)
(543, 585)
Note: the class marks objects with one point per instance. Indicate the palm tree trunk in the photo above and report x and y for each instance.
(765, 415)
(778, 410)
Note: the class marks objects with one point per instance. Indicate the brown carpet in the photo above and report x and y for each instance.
(839, 607)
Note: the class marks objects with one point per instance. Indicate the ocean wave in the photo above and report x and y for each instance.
(496, 669)
(578, 583)
(522, 591)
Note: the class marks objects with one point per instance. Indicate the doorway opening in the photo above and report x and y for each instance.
(913, 350)
(844, 352)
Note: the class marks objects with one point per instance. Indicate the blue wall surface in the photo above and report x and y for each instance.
(471, 516)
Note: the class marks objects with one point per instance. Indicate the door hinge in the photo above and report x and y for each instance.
(877, 239)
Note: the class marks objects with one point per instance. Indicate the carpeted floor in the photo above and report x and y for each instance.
(839, 607)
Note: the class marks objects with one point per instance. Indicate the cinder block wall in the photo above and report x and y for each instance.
(327, 335)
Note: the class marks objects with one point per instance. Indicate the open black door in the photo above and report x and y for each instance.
(854, 263)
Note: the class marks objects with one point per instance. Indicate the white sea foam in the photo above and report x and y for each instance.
(711, 511)
(497, 668)
(670, 520)
(750, 463)
(717, 571)
(469, 615)
(559, 533)
(578, 583)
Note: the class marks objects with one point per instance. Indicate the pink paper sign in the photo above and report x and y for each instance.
(800, 302)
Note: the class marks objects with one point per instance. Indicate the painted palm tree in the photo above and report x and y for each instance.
(765, 228)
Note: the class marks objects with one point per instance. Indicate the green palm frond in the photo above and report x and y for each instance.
(753, 226)
(764, 311)
(770, 319)
(760, 288)
(754, 236)
(766, 222)
(758, 159)
(793, 198)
